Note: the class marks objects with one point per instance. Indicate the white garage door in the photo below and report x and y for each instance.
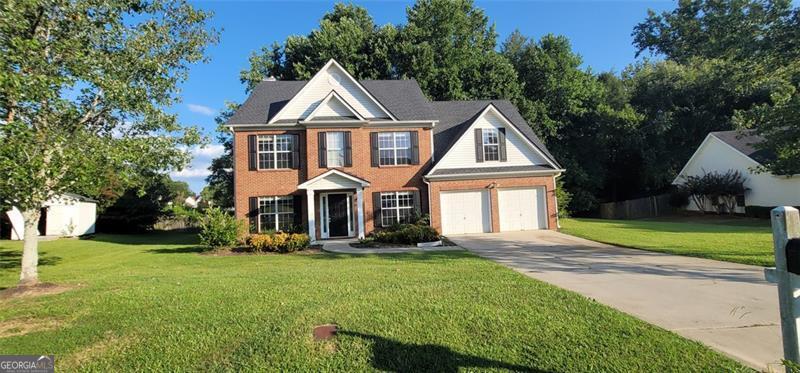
(465, 212)
(522, 209)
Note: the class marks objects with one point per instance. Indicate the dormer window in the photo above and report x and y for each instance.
(491, 144)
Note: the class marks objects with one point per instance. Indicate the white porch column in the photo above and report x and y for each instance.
(312, 227)
(360, 211)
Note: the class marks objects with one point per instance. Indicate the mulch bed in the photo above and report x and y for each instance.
(43, 288)
(241, 251)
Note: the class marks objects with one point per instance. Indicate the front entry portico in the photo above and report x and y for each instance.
(338, 193)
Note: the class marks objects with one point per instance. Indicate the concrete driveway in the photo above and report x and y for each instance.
(726, 306)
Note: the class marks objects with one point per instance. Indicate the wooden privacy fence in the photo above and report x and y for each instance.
(646, 207)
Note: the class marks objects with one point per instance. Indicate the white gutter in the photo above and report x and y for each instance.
(491, 174)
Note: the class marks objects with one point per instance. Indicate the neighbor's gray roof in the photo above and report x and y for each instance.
(484, 170)
(403, 98)
(743, 142)
(455, 117)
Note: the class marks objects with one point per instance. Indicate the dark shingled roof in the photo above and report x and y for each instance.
(743, 142)
(403, 98)
(455, 117)
(266, 100)
(483, 170)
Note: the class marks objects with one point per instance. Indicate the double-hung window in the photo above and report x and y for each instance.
(275, 213)
(491, 144)
(394, 148)
(335, 148)
(274, 151)
(396, 207)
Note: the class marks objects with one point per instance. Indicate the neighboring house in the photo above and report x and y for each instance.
(729, 150)
(361, 155)
(66, 215)
(192, 201)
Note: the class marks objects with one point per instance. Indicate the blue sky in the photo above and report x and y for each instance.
(599, 31)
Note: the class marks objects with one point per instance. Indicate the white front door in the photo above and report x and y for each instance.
(522, 209)
(465, 212)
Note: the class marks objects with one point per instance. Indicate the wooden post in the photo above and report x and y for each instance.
(786, 226)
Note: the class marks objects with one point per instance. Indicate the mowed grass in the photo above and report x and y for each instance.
(153, 303)
(746, 241)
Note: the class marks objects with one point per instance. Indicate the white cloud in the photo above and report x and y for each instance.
(190, 172)
(210, 151)
(200, 109)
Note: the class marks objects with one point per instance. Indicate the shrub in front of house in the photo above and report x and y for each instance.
(409, 234)
(219, 230)
(281, 242)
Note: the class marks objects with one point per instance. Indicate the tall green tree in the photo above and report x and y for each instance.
(449, 48)
(750, 52)
(347, 33)
(220, 180)
(585, 119)
(83, 91)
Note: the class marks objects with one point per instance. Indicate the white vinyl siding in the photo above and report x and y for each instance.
(465, 212)
(462, 154)
(311, 96)
(763, 189)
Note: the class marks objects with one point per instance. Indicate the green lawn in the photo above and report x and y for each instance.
(160, 306)
(747, 241)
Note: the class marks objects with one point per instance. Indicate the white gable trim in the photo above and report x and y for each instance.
(309, 184)
(318, 76)
(507, 124)
(701, 146)
(333, 96)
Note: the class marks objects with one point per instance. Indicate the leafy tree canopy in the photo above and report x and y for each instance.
(83, 91)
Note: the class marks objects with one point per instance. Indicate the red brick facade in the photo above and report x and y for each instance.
(382, 179)
(285, 182)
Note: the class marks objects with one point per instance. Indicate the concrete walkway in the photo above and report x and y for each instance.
(726, 306)
(343, 247)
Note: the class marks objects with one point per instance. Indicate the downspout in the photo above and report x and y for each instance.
(555, 198)
(233, 155)
(430, 216)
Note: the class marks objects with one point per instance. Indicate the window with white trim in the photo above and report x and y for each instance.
(397, 207)
(394, 148)
(334, 143)
(274, 151)
(491, 144)
(275, 213)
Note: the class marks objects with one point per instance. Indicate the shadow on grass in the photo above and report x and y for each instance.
(178, 250)
(147, 238)
(395, 356)
(13, 259)
(413, 256)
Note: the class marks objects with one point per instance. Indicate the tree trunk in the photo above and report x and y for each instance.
(30, 248)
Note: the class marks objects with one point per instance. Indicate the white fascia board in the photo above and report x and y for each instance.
(308, 184)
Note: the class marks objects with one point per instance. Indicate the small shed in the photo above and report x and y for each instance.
(67, 215)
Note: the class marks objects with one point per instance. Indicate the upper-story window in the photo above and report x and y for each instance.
(335, 149)
(275, 151)
(394, 148)
(491, 144)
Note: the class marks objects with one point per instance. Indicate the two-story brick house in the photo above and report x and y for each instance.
(344, 157)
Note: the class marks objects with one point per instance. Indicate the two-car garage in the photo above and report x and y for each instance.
(470, 211)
